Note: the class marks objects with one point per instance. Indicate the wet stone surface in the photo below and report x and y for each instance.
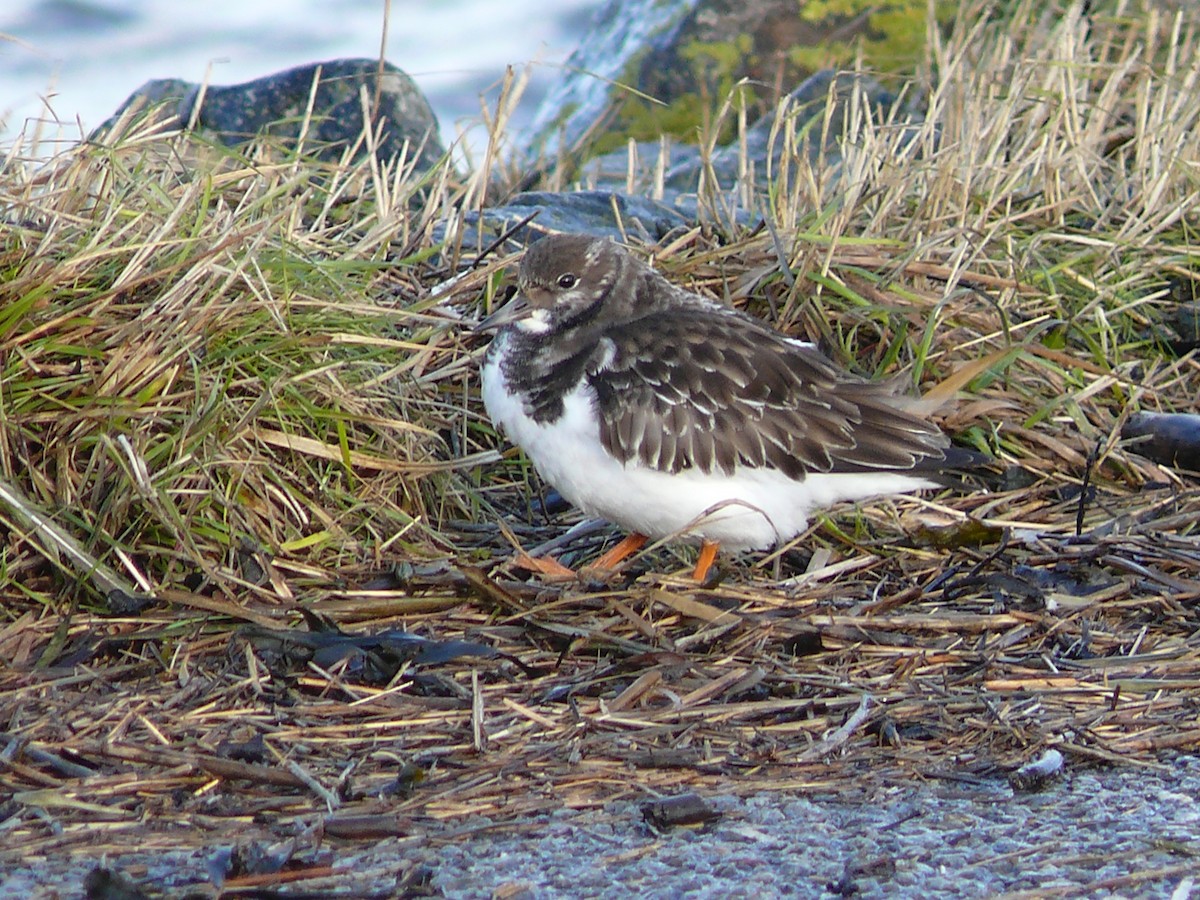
(1128, 832)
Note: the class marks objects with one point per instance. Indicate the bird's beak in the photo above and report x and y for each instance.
(514, 310)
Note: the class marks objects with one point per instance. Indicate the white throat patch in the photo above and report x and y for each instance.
(537, 322)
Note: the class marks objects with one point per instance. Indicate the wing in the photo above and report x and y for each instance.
(685, 389)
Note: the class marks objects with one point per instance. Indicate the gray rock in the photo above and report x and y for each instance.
(601, 213)
(686, 56)
(275, 106)
(648, 44)
(687, 175)
(809, 107)
(621, 31)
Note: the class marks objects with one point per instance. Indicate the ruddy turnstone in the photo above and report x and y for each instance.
(671, 414)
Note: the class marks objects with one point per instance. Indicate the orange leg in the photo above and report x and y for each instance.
(630, 545)
(708, 555)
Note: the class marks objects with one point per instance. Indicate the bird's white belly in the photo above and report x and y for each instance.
(753, 508)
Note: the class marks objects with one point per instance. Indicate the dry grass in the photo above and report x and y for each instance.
(231, 384)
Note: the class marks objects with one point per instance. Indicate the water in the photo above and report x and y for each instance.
(65, 65)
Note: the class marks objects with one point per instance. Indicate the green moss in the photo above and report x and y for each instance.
(641, 120)
(686, 117)
(716, 66)
(820, 10)
(894, 40)
(721, 58)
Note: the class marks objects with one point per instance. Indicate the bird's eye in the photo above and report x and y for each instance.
(567, 281)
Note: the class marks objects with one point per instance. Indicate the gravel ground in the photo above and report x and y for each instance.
(1119, 833)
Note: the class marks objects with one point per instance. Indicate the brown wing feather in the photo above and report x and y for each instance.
(687, 389)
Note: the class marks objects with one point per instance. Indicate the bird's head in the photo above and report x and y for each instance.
(563, 281)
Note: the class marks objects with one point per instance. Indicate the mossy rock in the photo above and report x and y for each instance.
(678, 80)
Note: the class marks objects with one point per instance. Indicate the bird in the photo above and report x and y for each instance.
(673, 415)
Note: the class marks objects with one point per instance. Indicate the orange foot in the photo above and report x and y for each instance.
(704, 562)
(543, 565)
(628, 546)
(604, 565)
(602, 568)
